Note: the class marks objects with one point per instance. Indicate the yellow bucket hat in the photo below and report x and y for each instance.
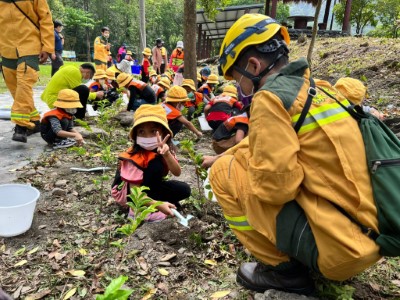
(189, 83)
(100, 74)
(152, 73)
(110, 74)
(177, 94)
(68, 99)
(230, 90)
(352, 89)
(165, 83)
(147, 51)
(129, 52)
(150, 113)
(213, 79)
(123, 79)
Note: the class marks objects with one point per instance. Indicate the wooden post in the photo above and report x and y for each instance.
(209, 43)
(327, 9)
(198, 52)
(267, 5)
(204, 45)
(346, 21)
(273, 9)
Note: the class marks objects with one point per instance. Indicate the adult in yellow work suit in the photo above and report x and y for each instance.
(101, 49)
(26, 39)
(280, 190)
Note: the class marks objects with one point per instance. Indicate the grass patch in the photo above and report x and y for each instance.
(44, 75)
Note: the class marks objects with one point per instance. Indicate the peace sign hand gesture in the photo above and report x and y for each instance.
(162, 147)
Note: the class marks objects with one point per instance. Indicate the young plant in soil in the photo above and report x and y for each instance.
(114, 291)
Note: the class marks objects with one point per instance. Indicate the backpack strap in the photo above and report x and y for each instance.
(311, 93)
(26, 16)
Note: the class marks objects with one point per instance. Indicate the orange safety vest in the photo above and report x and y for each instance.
(94, 84)
(223, 99)
(59, 113)
(157, 89)
(203, 87)
(140, 85)
(172, 112)
(198, 99)
(140, 159)
(177, 57)
(232, 121)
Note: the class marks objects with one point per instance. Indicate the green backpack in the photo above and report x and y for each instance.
(382, 148)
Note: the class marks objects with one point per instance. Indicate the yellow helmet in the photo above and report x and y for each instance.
(230, 90)
(152, 73)
(250, 29)
(165, 83)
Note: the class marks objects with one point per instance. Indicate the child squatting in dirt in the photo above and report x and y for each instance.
(148, 161)
(57, 125)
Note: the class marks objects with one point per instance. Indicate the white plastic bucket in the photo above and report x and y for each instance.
(17, 205)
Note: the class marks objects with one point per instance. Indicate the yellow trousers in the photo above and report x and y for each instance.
(229, 184)
(20, 82)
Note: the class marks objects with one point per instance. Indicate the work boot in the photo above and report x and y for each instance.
(259, 277)
(35, 129)
(20, 134)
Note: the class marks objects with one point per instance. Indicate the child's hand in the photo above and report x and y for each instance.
(162, 147)
(165, 208)
(79, 139)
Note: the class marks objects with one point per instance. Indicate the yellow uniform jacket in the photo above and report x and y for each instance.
(18, 36)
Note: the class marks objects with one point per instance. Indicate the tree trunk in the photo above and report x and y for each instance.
(314, 33)
(88, 42)
(142, 17)
(189, 38)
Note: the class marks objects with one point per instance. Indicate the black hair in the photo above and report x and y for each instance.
(263, 52)
(105, 28)
(88, 66)
(57, 23)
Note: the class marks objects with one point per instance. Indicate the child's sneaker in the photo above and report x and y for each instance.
(64, 144)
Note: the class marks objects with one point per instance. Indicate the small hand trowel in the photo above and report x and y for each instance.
(184, 221)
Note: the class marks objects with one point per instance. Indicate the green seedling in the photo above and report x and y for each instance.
(140, 208)
(114, 291)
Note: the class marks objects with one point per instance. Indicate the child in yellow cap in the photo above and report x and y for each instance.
(57, 125)
(148, 161)
(174, 102)
(355, 91)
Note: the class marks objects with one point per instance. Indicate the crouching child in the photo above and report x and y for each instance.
(57, 125)
(148, 161)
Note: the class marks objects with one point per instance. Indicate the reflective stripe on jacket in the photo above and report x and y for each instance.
(324, 164)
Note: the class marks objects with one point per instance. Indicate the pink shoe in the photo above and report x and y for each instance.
(155, 217)
(151, 218)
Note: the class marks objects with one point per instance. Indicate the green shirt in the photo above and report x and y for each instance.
(67, 77)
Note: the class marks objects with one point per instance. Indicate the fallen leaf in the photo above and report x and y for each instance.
(102, 229)
(97, 155)
(38, 295)
(83, 252)
(163, 272)
(220, 294)
(17, 293)
(168, 257)
(396, 282)
(20, 251)
(42, 226)
(60, 256)
(3, 248)
(210, 262)
(142, 263)
(76, 273)
(20, 263)
(33, 250)
(149, 294)
(56, 243)
(83, 292)
(70, 293)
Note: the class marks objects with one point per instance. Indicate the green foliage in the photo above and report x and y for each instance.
(114, 291)
(140, 208)
(388, 12)
(362, 13)
(210, 7)
(78, 150)
(78, 17)
(331, 290)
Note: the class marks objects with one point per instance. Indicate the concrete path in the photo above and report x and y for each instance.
(14, 155)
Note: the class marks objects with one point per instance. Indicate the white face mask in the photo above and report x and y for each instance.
(71, 111)
(241, 90)
(147, 143)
